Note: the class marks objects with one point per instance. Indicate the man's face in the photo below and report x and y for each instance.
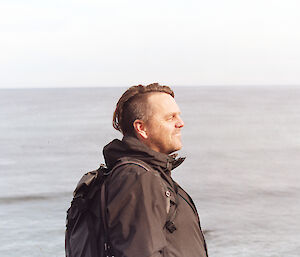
(164, 124)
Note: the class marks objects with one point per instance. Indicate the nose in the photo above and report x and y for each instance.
(179, 123)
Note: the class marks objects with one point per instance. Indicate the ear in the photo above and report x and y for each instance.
(140, 128)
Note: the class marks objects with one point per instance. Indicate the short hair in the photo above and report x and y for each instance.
(133, 106)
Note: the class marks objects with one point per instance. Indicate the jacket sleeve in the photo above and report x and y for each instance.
(136, 212)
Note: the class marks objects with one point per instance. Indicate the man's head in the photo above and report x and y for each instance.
(151, 114)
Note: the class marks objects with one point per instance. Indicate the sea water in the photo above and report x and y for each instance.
(242, 168)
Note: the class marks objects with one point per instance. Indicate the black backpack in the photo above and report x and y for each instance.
(86, 228)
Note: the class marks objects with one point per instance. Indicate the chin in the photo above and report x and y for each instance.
(175, 148)
(179, 145)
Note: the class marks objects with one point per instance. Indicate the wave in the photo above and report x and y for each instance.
(30, 198)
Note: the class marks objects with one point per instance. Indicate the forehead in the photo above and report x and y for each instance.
(162, 103)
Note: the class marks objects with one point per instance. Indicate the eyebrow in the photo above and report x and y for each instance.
(172, 114)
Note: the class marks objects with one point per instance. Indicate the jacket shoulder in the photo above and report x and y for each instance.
(133, 166)
(135, 172)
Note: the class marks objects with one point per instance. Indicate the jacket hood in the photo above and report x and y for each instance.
(133, 148)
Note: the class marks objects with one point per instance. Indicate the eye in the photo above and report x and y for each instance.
(172, 117)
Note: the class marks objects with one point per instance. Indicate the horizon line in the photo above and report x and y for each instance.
(123, 86)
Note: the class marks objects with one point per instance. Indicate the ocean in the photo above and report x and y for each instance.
(242, 169)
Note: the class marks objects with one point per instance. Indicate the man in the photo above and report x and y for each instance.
(148, 214)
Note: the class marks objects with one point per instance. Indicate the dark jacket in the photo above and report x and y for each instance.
(139, 202)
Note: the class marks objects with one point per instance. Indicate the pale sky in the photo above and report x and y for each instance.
(83, 43)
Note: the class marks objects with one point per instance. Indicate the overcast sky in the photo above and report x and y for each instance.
(72, 43)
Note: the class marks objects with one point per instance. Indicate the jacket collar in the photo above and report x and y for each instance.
(132, 147)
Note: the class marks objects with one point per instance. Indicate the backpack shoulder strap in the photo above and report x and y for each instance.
(126, 160)
(123, 161)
